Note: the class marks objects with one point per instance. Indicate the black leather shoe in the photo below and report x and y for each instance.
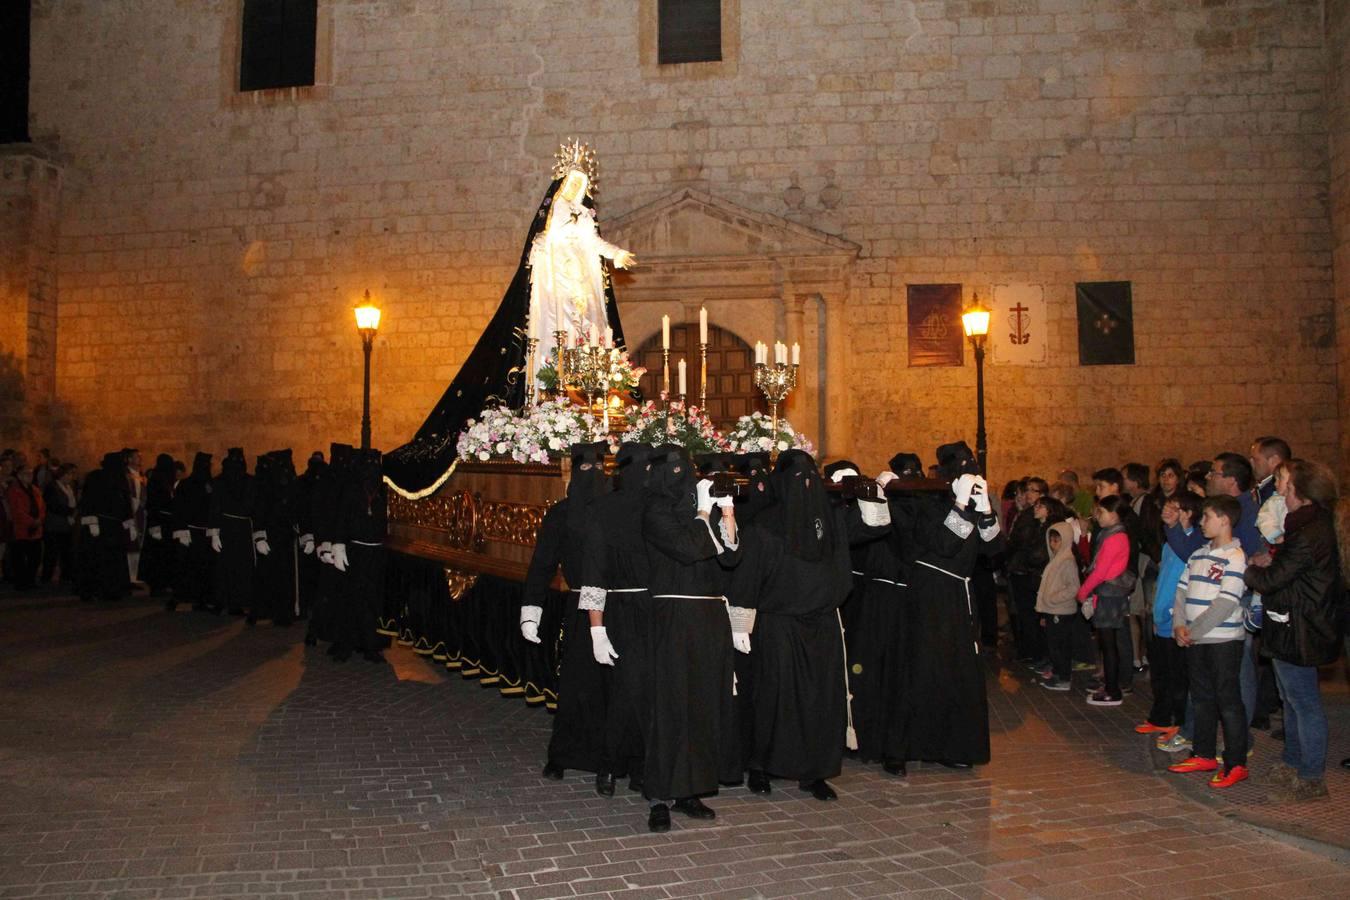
(604, 784)
(658, 819)
(894, 768)
(758, 782)
(820, 789)
(694, 808)
(948, 764)
(553, 770)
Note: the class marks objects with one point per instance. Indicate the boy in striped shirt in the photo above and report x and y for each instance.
(1207, 621)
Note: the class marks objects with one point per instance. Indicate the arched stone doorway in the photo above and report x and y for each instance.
(731, 371)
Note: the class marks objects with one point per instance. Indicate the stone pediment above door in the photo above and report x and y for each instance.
(691, 225)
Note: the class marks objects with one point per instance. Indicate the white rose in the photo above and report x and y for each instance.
(484, 455)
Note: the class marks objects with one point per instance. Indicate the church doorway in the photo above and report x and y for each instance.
(731, 371)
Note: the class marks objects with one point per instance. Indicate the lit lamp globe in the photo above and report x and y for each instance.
(367, 317)
(975, 320)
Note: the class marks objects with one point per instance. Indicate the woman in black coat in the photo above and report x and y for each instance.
(1302, 593)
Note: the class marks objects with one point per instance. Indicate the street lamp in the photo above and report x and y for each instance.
(975, 320)
(367, 323)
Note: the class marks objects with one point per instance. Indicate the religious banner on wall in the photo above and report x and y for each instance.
(1105, 323)
(935, 334)
(1018, 327)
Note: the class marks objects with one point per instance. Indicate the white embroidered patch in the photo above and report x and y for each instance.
(958, 525)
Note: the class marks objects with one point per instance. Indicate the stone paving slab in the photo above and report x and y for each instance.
(144, 754)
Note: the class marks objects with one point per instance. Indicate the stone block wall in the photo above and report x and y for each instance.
(212, 245)
(30, 191)
(1338, 93)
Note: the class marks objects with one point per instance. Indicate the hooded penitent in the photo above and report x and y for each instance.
(955, 460)
(906, 465)
(759, 493)
(671, 479)
(803, 515)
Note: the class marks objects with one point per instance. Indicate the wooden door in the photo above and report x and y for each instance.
(731, 372)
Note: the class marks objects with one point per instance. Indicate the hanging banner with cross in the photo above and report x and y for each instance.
(1017, 328)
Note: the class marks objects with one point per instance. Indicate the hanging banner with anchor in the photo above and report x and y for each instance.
(1018, 327)
(1105, 323)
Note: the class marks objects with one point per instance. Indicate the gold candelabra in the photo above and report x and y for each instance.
(560, 362)
(589, 369)
(775, 381)
(531, 370)
(703, 376)
(665, 376)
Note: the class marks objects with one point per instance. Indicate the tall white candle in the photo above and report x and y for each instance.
(609, 337)
(683, 386)
(571, 335)
(558, 317)
(665, 332)
(779, 352)
(591, 336)
(534, 318)
(703, 325)
(796, 354)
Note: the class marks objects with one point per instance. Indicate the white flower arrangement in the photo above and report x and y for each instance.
(690, 428)
(754, 434)
(536, 434)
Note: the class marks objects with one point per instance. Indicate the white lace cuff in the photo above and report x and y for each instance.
(592, 598)
(726, 540)
(875, 514)
(531, 614)
(958, 525)
(989, 532)
(742, 619)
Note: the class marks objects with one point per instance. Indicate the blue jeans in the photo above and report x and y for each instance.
(1305, 722)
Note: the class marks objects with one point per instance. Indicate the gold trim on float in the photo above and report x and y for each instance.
(427, 492)
(514, 691)
(534, 700)
(489, 681)
(469, 673)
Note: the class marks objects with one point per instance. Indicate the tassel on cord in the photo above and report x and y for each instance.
(850, 735)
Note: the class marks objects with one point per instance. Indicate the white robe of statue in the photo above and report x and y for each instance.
(566, 275)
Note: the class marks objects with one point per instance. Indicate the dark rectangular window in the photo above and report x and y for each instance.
(14, 34)
(688, 31)
(277, 44)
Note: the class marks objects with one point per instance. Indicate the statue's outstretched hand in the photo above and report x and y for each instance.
(625, 260)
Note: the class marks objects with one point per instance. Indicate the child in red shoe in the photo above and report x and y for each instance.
(1207, 617)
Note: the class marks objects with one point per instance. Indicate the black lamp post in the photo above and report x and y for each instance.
(367, 323)
(975, 320)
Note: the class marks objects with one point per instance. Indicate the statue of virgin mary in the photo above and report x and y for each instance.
(563, 277)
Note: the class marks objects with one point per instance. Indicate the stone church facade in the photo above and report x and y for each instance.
(179, 259)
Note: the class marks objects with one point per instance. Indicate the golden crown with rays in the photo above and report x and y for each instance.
(574, 156)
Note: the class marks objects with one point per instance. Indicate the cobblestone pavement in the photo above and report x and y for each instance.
(151, 755)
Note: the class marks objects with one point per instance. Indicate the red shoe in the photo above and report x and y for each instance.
(1228, 779)
(1199, 764)
(1149, 728)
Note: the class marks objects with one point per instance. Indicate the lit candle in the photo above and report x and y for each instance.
(591, 336)
(779, 352)
(702, 325)
(571, 336)
(796, 354)
(683, 387)
(665, 332)
(761, 353)
(609, 337)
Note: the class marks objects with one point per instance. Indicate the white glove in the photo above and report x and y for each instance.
(262, 546)
(340, 557)
(214, 534)
(92, 523)
(601, 647)
(130, 526)
(183, 536)
(740, 641)
(886, 478)
(705, 498)
(529, 622)
(725, 502)
(981, 494)
(326, 553)
(156, 533)
(307, 544)
(962, 488)
(841, 474)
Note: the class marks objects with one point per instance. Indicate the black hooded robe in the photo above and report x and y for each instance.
(363, 525)
(192, 514)
(232, 501)
(103, 559)
(278, 575)
(946, 718)
(691, 733)
(157, 555)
